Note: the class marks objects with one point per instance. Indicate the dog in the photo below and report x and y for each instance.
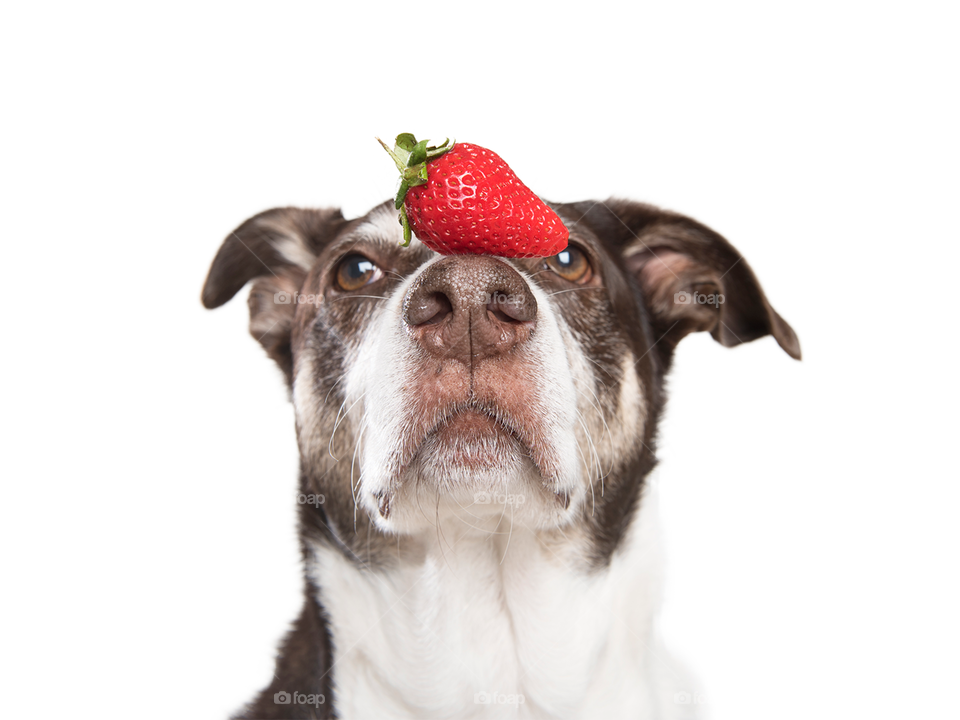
(474, 434)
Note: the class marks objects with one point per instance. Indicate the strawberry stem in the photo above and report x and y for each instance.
(411, 158)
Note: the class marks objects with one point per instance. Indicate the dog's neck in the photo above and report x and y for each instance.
(513, 617)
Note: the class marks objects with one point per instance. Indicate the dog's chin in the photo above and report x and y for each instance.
(471, 449)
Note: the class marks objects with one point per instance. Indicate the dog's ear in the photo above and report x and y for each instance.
(692, 278)
(276, 249)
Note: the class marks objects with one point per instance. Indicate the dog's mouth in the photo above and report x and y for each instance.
(478, 437)
(473, 438)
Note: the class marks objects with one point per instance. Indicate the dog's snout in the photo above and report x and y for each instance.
(467, 307)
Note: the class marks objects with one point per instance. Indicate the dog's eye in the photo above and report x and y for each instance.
(355, 271)
(571, 264)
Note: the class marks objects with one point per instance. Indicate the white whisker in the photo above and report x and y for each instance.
(355, 489)
(350, 297)
(576, 289)
(338, 421)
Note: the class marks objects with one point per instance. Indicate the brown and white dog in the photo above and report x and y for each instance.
(474, 436)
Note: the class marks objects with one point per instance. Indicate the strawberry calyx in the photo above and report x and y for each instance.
(411, 158)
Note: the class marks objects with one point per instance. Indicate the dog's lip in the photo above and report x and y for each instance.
(470, 421)
(473, 414)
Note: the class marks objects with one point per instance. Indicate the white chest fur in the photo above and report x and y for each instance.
(505, 625)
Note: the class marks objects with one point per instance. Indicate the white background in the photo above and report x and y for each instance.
(149, 558)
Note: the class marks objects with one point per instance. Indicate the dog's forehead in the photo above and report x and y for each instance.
(380, 225)
(380, 231)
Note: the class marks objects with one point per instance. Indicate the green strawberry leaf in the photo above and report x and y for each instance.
(418, 154)
(406, 141)
(401, 194)
(406, 227)
(401, 162)
(438, 150)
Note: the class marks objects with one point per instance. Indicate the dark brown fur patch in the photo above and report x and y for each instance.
(303, 666)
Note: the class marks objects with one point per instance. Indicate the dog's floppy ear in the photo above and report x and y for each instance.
(276, 249)
(692, 278)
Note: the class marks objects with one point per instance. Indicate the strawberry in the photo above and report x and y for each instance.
(464, 199)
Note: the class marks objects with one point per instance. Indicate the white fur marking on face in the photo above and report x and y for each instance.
(378, 387)
(293, 251)
(382, 226)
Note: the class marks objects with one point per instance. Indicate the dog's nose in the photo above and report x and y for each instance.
(469, 307)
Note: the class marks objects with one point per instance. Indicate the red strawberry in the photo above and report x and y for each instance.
(464, 199)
